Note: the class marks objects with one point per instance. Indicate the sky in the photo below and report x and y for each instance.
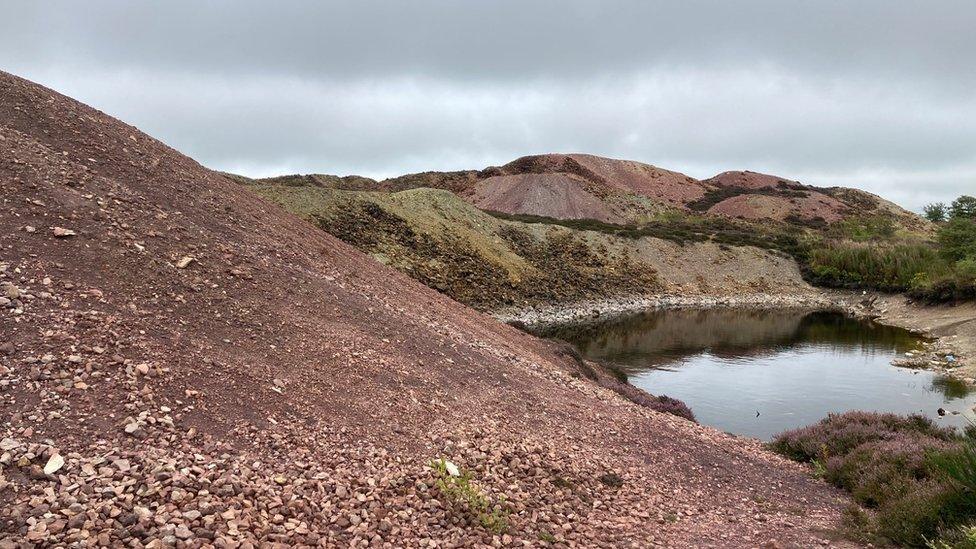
(875, 94)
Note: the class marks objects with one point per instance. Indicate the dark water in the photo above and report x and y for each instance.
(791, 367)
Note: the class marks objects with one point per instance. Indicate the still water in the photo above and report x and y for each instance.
(758, 373)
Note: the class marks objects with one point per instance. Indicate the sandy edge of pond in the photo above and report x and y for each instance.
(952, 329)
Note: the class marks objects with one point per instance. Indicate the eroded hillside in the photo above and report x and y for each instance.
(493, 262)
(186, 364)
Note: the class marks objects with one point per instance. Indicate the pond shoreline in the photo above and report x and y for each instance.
(601, 310)
(951, 330)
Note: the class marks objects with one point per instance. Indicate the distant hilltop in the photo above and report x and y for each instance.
(584, 186)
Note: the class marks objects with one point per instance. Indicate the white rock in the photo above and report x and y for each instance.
(452, 469)
(55, 463)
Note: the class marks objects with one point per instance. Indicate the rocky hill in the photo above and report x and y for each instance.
(184, 363)
(582, 186)
(492, 263)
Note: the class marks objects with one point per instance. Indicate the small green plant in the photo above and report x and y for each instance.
(456, 486)
(959, 466)
(547, 537)
(819, 468)
(612, 480)
(960, 538)
(820, 462)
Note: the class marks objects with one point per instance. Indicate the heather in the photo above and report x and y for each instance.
(916, 480)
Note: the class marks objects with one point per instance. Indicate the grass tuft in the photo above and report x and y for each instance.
(462, 494)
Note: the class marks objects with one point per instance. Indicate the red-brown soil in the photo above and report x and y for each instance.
(627, 176)
(749, 180)
(771, 197)
(551, 195)
(216, 372)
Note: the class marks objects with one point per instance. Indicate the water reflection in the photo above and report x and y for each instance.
(951, 387)
(790, 367)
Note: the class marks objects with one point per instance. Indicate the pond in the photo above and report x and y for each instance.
(760, 372)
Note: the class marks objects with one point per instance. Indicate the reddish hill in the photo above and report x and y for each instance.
(757, 196)
(621, 175)
(750, 180)
(186, 364)
(575, 186)
(552, 195)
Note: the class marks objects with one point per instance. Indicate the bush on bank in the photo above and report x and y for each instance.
(864, 256)
(917, 480)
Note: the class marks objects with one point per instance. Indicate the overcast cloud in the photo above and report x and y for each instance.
(878, 94)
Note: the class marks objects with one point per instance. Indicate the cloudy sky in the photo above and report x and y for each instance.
(878, 94)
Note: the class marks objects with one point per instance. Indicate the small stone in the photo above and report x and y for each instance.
(55, 463)
(11, 292)
(183, 532)
(61, 232)
(184, 262)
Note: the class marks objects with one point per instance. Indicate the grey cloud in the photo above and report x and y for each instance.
(876, 94)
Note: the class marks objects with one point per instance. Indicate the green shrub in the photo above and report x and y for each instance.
(967, 267)
(936, 212)
(871, 266)
(957, 239)
(963, 537)
(944, 288)
(864, 228)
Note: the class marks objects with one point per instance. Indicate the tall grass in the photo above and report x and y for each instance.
(892, 268)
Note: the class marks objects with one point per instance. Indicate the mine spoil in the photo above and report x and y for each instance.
(187, 364)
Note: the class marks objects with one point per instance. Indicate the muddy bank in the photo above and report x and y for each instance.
(603, 309)
(952, 330)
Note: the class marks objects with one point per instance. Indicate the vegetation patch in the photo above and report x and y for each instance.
(612, 480)
(450, 246)
(682, 229)
(917, 481)
(714, 197)
(892, 268)
(869, 253)
(461, 494)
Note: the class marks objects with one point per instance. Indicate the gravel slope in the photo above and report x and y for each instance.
(185, 364)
